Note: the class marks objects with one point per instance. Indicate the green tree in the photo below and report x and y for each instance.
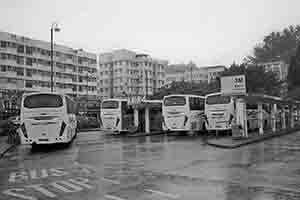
(257, 79)
(276, 46)
(294, 71)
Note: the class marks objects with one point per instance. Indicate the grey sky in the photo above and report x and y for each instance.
(208, 32)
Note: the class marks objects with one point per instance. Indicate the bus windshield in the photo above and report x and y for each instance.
(175, 101)
(110, 105)
(217, 99)
(43, 101)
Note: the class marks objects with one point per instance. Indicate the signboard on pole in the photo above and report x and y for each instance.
(233, 85)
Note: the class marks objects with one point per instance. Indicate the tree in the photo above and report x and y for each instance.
(294, 71)
(276, 46)
(257, 79)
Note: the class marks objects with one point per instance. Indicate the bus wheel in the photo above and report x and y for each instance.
(204, 130)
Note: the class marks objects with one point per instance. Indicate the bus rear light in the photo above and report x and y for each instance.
(23, 128)
(117, 123)
(62, 129)
(185, 120)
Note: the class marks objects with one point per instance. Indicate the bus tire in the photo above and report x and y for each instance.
(204, 130)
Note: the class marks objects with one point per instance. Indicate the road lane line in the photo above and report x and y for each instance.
(12, 192)
(173, 196)
(82, 182)
(44, 191)
(44, 173)
(62, 188)
(33, 174)
(111, 181)
(113, 197)
(70, 185)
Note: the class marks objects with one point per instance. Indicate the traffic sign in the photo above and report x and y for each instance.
(233, 85)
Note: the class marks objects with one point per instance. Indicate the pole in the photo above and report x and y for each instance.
(51, 59)
(146, 77)
(87, 91)
(112, 82)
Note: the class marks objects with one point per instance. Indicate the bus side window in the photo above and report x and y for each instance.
(201, 103)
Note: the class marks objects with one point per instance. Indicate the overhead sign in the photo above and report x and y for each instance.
(233, 85)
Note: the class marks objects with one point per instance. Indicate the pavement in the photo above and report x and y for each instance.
(229, 142)
(100, 166)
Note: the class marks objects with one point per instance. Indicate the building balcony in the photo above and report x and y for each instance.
(64, 90)
(8, 74)
(9, 86)
(9, 50)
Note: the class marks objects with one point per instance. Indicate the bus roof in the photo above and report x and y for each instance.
(35, 93)
(184, 95)
(213, 94)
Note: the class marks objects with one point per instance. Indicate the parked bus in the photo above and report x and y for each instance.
(183, 113)
(116, 115)
(47, 118)
(219, 113)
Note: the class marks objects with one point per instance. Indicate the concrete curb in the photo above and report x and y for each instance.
(89, 129)
(253, 140)
(147, 134)
(8, 148)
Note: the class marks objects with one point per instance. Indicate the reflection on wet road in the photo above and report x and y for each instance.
(100, 166)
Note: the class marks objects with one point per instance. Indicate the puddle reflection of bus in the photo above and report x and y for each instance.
(116, 115)
(183, 113)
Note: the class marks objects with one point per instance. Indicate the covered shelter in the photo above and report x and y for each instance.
(148, 115)
(282, 113)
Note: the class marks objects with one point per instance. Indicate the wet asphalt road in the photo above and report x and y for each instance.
(99, 166)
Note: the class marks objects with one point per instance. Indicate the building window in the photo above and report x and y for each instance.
(28, 84)
(29, 50)
(20, 49)
(29, 61)
(3, 44)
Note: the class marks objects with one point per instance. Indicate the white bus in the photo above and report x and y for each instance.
(219, 113)
(116, 115)
(183, 113)
(47, 118)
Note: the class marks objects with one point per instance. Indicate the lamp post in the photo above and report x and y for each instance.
(54, 27)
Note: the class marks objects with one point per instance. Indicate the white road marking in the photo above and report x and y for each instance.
(82, 182)
(33, 174)
(173, 196)
(44, 173)
(12, 192)
(111, 181)
(17, 176)
(60, 187)
(113, 197)
(58, 172)
(72, 186)
(42, 190)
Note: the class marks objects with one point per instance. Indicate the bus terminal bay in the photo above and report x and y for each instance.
(184, 146)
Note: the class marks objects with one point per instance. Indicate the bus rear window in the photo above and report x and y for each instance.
(110, 105)
(217, 99)
(43, 101)
(175, 101)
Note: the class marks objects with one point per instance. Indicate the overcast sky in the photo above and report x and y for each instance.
(208, 32)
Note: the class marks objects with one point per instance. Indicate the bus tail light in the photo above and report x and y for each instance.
(118, 120)
(23, 128)
(185, 119)
(62, 129)
(231, 118)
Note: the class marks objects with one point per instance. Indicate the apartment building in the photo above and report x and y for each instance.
(127, 74)
(182, 72)
(25, 65)
(280, 68)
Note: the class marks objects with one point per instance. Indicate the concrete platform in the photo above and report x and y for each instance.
(231, 143)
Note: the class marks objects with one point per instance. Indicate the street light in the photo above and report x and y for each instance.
(55, 28)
